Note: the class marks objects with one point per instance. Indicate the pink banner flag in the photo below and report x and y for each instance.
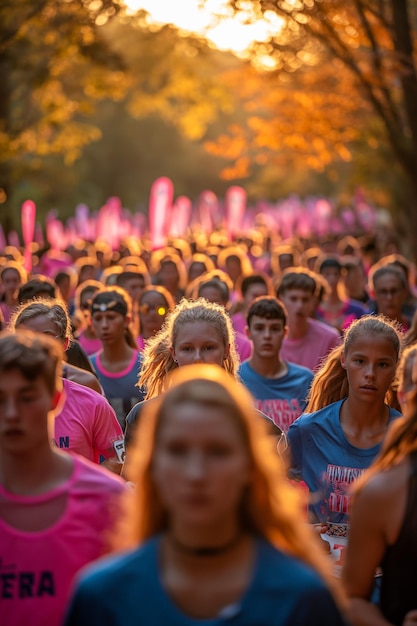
(82, 221)
(13, 239)
(28, 217)
(160, 205)
(55, 232)
(180, 217)
(39, 235)
(235, 209)
(207, 209)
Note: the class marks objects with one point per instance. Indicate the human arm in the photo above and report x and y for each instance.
(108, 439)
(294, 452)
(132, 420)
(364, 552)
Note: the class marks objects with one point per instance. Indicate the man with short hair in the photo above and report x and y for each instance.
(308, 341)
(55, 507)
(280, 388)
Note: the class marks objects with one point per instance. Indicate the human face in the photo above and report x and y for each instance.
(42, 324)
(254, 291)
(196, 269)
(233, 267)
(333, 276)
(152, 312)
(354, 280)
(11, 281)
(408, 383)
(370, 364)
(169, 275)
(285, 261)
(299, 304)
(200, 467)
(24, 408)
(266, 335)
(134, 287)
(212, 294)
(85, 298)
(199, 342)
(109, 326)
(390, 295)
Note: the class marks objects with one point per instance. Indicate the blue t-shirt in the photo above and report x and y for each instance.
(120, 387)
(281, 399)
(327, 462)
(127, 590)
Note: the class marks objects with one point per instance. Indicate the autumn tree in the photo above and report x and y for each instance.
(71, 69)
(330, 57)
(54, 65)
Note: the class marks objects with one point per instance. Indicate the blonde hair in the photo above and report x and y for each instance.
(270, 506)
(17, 267)
(330, 383)
(157, 357)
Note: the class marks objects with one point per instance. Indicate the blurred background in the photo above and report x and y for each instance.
(98, 98)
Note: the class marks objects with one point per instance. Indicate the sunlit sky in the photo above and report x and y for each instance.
(227, 34)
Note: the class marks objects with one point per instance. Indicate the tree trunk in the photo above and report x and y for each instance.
(6, 218)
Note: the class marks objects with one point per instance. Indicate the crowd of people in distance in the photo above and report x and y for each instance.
(214, 431)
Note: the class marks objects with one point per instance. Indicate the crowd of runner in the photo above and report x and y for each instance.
(211, 431)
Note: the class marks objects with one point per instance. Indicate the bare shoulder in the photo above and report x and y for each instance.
(83, 377)
(381, 502)
(384, 485)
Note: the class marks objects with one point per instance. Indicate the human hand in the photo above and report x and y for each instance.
(320, 529)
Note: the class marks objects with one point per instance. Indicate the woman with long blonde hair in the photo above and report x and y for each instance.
(213, 531)
(196, 331)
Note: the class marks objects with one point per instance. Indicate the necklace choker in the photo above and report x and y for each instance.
(205, 550)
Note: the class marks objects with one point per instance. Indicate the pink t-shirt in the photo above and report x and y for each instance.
(87, 424)
(243, 346)
(7, 311)
(313, 347)
(239, 322)
(90, 346)
(37, 568)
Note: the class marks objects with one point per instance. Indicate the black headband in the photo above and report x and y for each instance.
(114, 305)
